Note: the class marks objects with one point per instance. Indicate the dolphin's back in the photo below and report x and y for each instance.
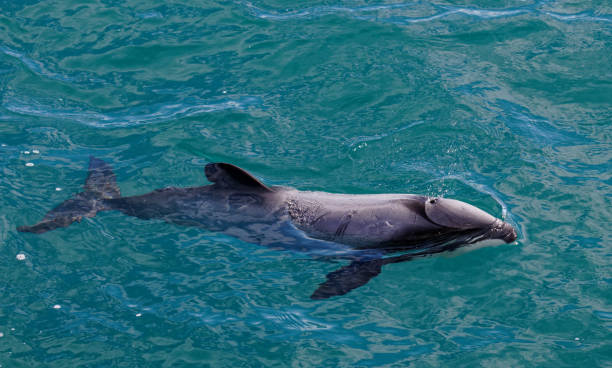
(387, 220)
(360, 220)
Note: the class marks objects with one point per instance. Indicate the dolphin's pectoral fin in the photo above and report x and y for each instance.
(230, 176)
(358, 273)
(347, 278)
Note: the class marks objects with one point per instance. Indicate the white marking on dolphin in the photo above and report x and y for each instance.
(362, 228)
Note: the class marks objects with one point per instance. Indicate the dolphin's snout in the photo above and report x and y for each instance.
(510, 233)
(504, 231)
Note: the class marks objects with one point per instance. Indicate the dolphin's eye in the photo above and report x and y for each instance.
(433, 200)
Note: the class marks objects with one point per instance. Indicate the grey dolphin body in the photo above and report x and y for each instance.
(361, 228)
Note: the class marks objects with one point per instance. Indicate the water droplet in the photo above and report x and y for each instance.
(29, 164)
(21, 257)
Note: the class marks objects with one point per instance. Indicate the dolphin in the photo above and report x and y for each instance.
(363, 229)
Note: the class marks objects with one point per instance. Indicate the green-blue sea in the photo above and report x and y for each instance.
(504, 104)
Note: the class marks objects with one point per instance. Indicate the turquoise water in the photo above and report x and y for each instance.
(503, 104)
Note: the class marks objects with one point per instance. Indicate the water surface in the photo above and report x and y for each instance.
(503, 104)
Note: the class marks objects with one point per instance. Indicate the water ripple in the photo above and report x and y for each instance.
(393, 13)
(537, 128)
(321, 11)
(579, 16)
(39, 68)
(375, 137)
(294, 320)
(132, 116)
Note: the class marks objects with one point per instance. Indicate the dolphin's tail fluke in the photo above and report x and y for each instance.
(100, 185)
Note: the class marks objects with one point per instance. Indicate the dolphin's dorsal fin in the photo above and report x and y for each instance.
(226, 175)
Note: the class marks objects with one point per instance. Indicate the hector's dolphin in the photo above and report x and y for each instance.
(362, 228)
